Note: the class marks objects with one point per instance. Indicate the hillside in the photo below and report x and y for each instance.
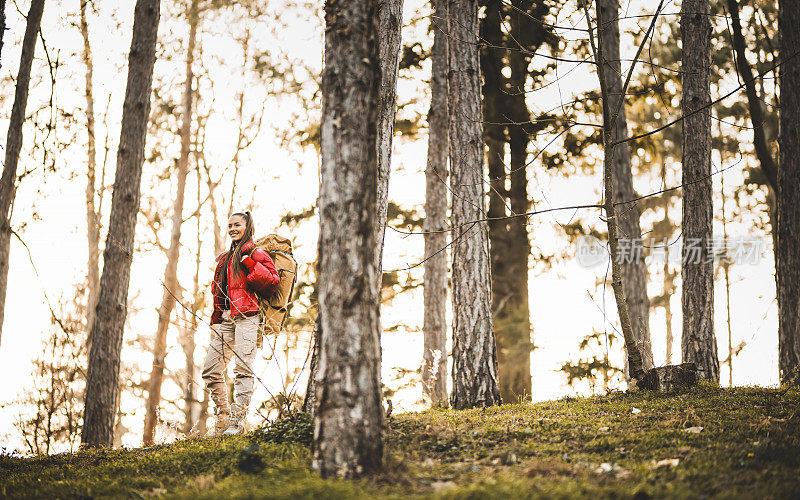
(713, 442)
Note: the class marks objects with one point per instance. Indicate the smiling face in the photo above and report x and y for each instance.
(236, 227)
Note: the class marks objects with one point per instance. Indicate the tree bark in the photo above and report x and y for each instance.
(788, 264)
(173, 253)
(698, 343)
(348, 438)
(434, 356)
(104, 358)
(671, 378)
(92, 215)
(634, 269)
(390, 20)
(310, 399)
(14, 143)
(474, 358)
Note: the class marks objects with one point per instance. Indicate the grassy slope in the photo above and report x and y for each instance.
(749, 447)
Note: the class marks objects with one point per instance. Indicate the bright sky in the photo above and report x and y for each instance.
(50, 212)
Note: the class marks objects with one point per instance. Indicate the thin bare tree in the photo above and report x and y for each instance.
(635, 359)
(434, 356)
(634, 269)
(92, 214)
(102, 378)
(14, 142)
(173, 253)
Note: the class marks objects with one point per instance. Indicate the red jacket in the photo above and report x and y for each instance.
(261, 277)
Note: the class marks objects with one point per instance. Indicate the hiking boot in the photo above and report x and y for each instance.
(222, 417)
(236, 422)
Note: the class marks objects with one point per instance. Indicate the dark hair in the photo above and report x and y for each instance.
(236, 248)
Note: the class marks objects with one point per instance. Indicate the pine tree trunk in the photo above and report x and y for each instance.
(515, 384)
(434, 356)
(390, 20)
(474, 358)
(92, 215)
(788, 265)
(13, 144)
(634, 269)
(495, 135)
(348, 438)
(173, 253)
(103, 374)
(698, 343)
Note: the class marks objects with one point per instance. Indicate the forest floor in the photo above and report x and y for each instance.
(710, 442)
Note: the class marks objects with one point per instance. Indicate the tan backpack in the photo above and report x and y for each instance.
(273, 308)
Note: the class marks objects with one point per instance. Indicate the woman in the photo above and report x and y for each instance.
(241, 273)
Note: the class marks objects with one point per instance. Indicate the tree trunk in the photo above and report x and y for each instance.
(389, 27)
(634, 269)
(474, 358)
(753, 102)
(698, 343)
(434, 356)
(103, 373)
(515, 384)
(495, 135)
(726, 269)
(631, 347)
(2, 24)
(188, 343)
(310, 399)
(14, 143)
(92, 215)
(670, 378)
(390, 20)
(348, 438)
(760, 145)
(788, 265)
(669, 276)
(173, 254)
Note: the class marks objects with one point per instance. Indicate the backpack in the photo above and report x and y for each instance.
(274, 308)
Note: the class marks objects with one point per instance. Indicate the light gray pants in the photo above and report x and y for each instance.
(233, 338)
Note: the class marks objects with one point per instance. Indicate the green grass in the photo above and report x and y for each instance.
(749, 447)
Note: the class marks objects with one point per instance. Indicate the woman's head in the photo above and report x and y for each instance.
(240, 229)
